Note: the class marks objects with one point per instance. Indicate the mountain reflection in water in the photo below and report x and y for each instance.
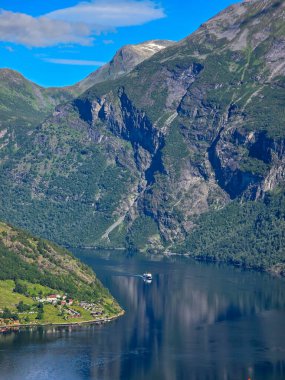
(194, 321)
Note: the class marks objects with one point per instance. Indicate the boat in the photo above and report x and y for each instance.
(147, 277)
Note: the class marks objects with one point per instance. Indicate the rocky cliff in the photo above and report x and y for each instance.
(135, 161)
(25, 104)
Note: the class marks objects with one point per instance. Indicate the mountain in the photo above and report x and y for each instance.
(32, 267)
(124, 61)
(188, 139)
(23, 103)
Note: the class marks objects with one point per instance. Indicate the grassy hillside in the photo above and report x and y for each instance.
(32, 269)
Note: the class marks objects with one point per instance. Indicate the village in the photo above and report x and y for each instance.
(61, 302)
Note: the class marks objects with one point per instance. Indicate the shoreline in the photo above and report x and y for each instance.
(277, 270)
(9, 328)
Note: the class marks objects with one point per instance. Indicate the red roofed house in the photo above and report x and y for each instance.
(51, 298)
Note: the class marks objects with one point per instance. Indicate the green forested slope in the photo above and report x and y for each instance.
(250, 234)
(33, 263)
(194, 132)
(25, 104)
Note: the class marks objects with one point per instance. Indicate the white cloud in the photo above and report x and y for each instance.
(26, 30)
(76, 25)
(110, 13)
(76, 62)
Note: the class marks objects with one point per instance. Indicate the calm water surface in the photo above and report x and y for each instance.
(195, 321)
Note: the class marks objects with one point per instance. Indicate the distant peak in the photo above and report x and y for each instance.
(153, 46)
(124, 61)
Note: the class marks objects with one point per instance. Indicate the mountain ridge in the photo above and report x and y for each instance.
(124, 60)
(26, 103)
(141, 158)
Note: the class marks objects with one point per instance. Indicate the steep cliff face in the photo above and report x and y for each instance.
(140, 158)
(208, 101)
(24, 103)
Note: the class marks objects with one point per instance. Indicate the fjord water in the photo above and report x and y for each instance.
(195, 321)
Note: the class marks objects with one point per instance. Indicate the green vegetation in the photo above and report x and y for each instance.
(253, 165)
(250, 234)
(63, 181)
(266, 112)
(20, 287)
(197, 124)
(175, 149)
(23, 307)
(8, 314)
(31, 311)
(24, 104)
(142, 230)
(34, 268)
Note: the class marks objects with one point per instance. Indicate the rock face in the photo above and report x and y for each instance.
(23, 103)
(124, 61)
(138, 159)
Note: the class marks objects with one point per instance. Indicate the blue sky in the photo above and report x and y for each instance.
(57, 43)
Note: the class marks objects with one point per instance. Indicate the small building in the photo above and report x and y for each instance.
(51, 298)
(73, 313)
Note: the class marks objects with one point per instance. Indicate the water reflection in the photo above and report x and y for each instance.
(195, 321)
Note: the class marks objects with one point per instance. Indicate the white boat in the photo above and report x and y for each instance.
(147, 276)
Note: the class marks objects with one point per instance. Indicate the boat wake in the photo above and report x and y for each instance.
(147, 277)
